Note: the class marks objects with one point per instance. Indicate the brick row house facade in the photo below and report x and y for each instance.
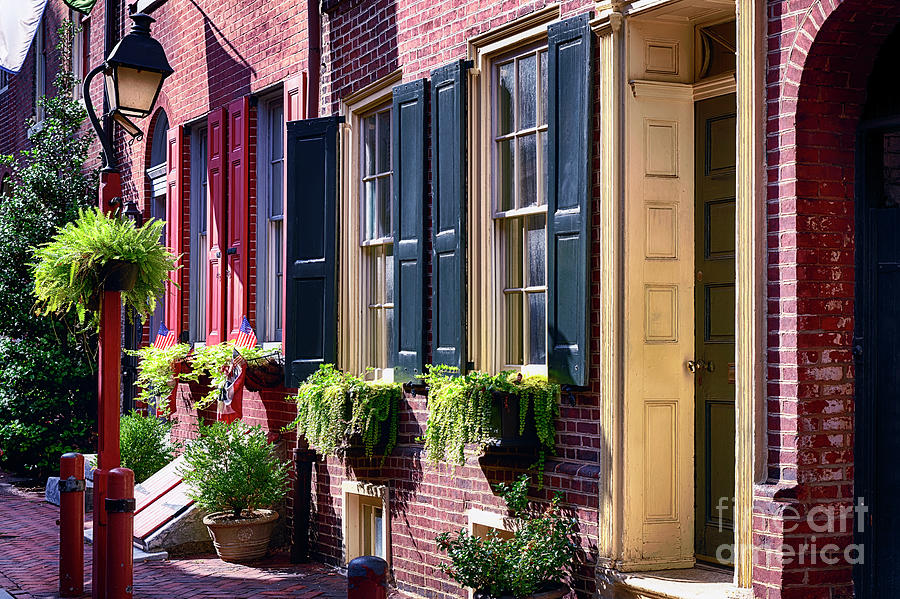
(680, 210)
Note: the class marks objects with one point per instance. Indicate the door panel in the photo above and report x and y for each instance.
(714, 326)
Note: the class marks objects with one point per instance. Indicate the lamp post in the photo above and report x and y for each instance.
(134, 73)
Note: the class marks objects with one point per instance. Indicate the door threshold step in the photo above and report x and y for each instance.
(699, 582)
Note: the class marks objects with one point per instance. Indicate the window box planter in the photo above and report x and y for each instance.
(266, 372)
(506, 424)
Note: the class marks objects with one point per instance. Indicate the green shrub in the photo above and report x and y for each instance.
(542, 548)
(460, 410)
(144, 444)
(48, 403)
(68, 275)
(234, 468)
(336, 410)
(156, 371)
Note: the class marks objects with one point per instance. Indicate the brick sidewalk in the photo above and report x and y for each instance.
(29, 550)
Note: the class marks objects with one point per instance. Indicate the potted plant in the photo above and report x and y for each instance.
(530, 564)
(506, 409)
(233, 472)
(95, 252)
(212, 361)
(338, 412)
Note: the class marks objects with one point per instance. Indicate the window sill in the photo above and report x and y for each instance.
(36, 128)
(699, 582)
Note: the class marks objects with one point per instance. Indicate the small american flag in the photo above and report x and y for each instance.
(164, 337)
(246, 337)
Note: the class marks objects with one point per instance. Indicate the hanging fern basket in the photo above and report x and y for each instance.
(119, 275)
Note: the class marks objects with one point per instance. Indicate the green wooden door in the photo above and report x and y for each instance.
(714, 327)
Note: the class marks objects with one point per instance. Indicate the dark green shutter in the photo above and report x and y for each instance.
(310, 309)
(448, 214)
(408, 163)
(568, 199)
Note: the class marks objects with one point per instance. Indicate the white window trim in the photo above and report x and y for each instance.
(352, 307)
(351, 491)
(40, 76)
(79, 67)
(262, 215)
(483, 255)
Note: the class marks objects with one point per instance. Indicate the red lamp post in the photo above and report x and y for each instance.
(134, 71)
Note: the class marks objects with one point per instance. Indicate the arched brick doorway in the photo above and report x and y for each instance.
(821, 57)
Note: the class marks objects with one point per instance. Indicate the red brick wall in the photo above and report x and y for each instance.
(820, 54)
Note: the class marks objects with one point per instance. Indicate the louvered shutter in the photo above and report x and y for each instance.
(568, 199)
(238, 215)
(448, 212)
(408, 165)
(310, 323)
(215, 227)
(175, 153)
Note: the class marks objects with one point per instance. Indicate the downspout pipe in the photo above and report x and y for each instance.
(314, 64)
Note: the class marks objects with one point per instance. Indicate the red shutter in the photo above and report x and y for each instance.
(215, 227)
(238, 213)
(295, 98)
(174, 208)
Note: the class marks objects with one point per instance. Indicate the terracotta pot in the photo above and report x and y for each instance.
(119, 275)
(547, 591)
(241, 540)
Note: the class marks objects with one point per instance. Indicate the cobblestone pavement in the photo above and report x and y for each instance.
(29, 551)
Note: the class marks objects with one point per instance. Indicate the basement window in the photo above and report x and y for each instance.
(366, 521)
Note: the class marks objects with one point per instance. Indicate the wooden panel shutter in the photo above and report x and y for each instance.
(215, 227)
(310, 322)
(568, 199)
(238, 215)
(408, 164)
(448, 211)
(295, 98)
(175, 153)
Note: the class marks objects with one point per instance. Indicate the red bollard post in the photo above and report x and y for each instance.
(71, 525)
(98, 566)
(367, 578)
(119, 533)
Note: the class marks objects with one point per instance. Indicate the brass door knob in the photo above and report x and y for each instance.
(696, 366)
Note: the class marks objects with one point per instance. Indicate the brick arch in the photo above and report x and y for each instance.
(816, 95)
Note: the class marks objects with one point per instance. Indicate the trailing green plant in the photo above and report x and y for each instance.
(461, 408)
(144, 442)
(541, 549)
(156, 370)
(48, 385)
(336, 410)
(68, 270)
(234, 468)
(211, 361)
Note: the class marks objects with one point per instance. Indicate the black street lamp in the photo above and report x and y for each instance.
(134, 71)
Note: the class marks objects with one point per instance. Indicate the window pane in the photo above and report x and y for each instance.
(276, 132)
(389, 274)
(537, 250)
(527, 171)
(543, 90)
(368, 135)
(384, 202)
(505, 99)
(527, 92)
(384, 141)
(512, 247)
(276, 195)
(273, 301)
(537, 328)
(203, 265)
(388, 336)
(378, 521)
(542, 194)
(369, 230)
(514, 328)
(505, 174)
(366, 523)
